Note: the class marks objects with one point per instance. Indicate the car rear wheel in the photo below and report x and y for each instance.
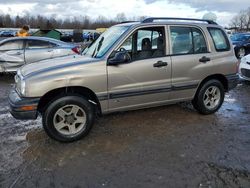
(241, 52)
(209, 97)
(68, 118)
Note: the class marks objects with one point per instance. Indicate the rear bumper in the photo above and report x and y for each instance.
(18, 104)
(233, 80)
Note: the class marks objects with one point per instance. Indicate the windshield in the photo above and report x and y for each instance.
(105, 41)
(239, 37)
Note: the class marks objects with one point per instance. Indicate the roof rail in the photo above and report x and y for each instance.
(127, 22)
(152, 19)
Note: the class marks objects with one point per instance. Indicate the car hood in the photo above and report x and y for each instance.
(245, 59)
(55, 63)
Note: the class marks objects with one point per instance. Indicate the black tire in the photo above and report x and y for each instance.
(199, 103)
(52, 109)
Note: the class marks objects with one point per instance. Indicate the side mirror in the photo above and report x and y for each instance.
(119, 57)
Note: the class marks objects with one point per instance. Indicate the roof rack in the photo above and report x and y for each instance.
(127, 22)
(152, 19)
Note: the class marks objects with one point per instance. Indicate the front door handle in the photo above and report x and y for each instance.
(160, 64)
(18, 53)
(204, 59)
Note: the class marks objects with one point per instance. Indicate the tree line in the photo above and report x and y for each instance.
(81, 22)
(241, 22)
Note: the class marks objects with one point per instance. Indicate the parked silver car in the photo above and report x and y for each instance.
(17, 51)
(130, 66)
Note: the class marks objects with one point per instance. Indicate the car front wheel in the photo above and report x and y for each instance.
(209, 97)
(68, 118)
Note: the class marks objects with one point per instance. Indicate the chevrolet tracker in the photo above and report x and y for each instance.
(132, 65)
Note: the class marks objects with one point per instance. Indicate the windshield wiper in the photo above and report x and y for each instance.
(98, 47)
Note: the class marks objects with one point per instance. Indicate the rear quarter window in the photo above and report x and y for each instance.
(221, 42)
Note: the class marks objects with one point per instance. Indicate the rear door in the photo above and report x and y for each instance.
(37, 50)
(191, 60)
(146, 80)
(11, 55)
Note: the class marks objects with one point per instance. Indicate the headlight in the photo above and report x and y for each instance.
(20, 84)
(22, 87)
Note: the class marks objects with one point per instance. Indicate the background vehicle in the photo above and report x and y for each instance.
(241, 43)
(130, 66)
(7, 33)
(244, 68)
(15, 52)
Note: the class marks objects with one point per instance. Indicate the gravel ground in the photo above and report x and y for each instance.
(170, 146)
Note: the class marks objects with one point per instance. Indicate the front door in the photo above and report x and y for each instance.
(146, 79)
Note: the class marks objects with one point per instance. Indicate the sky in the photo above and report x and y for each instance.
(224, 9)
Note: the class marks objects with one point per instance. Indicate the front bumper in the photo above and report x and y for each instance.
(19, 106)
(232, 80)
(244, 71)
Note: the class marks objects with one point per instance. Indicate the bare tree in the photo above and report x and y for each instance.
(241, 22)
(120, 17)
(79, 22)
(248, 19)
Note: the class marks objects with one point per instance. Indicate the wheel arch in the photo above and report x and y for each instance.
(47, 98)
(220, 77)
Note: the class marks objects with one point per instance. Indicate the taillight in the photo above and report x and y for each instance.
(76, 50)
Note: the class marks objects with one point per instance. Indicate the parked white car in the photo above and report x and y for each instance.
(244, 68)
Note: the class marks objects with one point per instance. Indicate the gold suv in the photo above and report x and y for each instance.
(132, 65)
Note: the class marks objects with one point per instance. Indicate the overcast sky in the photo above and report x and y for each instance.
(224, 9)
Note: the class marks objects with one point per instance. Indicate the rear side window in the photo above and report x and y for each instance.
(220, 39)
(200, 45)
(12, 45)
(181, 38)
(187, 40)
(36, 44)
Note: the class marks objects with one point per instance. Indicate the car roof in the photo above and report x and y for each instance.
(61, 43)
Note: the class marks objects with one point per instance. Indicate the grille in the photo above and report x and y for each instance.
(245, 72)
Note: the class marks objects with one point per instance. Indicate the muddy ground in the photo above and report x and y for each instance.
(170, 146)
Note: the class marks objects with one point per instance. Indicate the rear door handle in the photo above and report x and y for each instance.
(160, 64)
(204, 59)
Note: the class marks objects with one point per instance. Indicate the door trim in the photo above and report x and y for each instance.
(115, 95)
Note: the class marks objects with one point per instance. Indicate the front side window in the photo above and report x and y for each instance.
(127, 45)
(12, 45)
(187, 40)
(37, 44)
(145, 43)
(220, 40)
